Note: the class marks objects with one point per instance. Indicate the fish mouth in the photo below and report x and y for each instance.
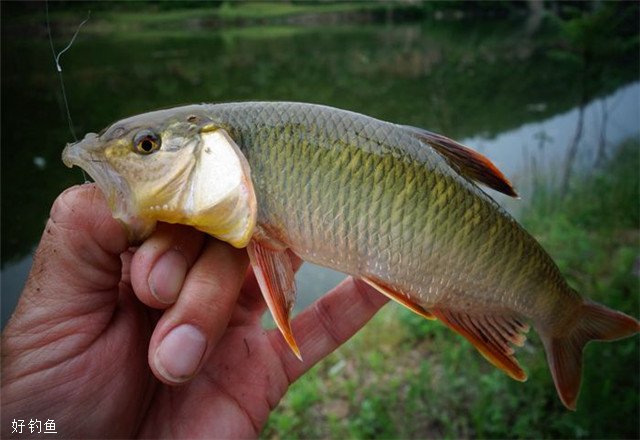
(86, 154)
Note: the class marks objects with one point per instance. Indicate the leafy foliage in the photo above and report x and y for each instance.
(460, 77)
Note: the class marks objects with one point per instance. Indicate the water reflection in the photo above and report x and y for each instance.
(497, 85)
(537, 151)
(516, 163)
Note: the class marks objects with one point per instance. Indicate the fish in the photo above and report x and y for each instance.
(396, 206)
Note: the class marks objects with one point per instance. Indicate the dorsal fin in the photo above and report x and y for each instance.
(469, 162)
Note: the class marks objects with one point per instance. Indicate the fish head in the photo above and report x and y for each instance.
(175, 166)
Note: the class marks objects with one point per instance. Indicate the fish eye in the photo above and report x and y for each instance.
(146, 142)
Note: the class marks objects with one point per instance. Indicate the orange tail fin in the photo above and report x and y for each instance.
(564, 353)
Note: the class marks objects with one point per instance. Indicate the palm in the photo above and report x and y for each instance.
(76, 348)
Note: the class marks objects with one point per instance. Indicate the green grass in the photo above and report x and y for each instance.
(404, 377)
(129, 20)
(253, 20)
(259, 10)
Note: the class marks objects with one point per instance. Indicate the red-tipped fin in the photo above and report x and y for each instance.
(469, 162)
(399, 298)
(275, 275)
(564, 353)
(491, 334)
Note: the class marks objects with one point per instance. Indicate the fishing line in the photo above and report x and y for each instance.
(56, 58)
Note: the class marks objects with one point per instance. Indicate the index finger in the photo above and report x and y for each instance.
(191, 328)
(160, 265)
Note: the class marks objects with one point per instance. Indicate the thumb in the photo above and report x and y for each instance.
(76, 267)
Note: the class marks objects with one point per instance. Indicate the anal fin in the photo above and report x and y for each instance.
(491, 334)
(275, 275)
(399, 298)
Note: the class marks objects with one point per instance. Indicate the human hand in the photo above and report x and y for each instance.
(94, 348)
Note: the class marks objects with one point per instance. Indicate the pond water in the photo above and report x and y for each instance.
(501, 87)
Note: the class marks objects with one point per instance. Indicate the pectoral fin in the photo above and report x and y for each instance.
(275, 275)
(491, 334)
(399, 298)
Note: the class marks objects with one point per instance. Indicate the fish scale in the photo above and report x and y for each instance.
(379, 188)
(395, 206)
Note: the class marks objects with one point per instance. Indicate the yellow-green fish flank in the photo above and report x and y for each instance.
(396, 206)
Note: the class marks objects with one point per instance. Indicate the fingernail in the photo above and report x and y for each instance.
(167, 276)
(180, 353)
